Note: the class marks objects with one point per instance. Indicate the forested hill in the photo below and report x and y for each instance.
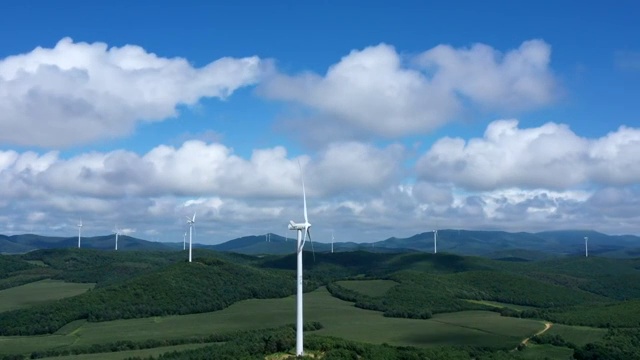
(162, 285)
(17, 244)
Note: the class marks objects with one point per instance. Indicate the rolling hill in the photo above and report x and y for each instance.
(520, 246)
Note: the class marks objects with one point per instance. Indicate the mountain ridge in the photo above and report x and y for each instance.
(495, 244)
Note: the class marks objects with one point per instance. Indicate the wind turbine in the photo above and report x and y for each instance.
(435, 241)
(332, 238)
(586, 246)
(117, 231)
(79, 233)
(184, 241)
(300, 228)
(191, 222)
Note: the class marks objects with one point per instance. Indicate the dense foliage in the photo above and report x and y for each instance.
(184, 288)
(574, 291)
(102, 267)
(618, 344)
(15, 272)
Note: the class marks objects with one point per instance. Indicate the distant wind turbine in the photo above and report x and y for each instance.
(435, 241)
(332, 239)
(79, 233)
(117, 232)
(300, 228)
(191, 222)
(586, 246)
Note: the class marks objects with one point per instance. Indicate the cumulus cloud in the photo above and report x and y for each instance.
(521, 78)
(77, 92)
(377, 91)
(550, 156)
(196, 169)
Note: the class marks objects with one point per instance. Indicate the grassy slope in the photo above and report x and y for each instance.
(131, 353)
(369, 287)
(39, 292)
(550, 352)
(339, 318)
(579, 335)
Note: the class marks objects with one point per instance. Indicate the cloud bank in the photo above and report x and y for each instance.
(76, 93)
(379, 91)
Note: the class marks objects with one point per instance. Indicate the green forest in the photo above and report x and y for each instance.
(580, 294)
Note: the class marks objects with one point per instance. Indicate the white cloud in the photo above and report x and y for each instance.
(550, 156)
(375, 91)
(76, 93)
(195, 169)
(343, 164)
(518, 79)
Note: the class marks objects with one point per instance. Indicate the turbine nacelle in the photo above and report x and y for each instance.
(298, 226)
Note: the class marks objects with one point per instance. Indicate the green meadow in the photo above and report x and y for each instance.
(368, 287)
(39, 292)
(498, 304)
(340, 319)
(129, 353)
(579, 335)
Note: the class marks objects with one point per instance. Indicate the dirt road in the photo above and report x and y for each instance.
(547, 326)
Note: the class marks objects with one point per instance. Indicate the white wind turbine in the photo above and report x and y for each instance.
(435, 241)
(79, 233)
(117, 232)
(586, 246)
(332, 239)
(191, 222)
(300, 228)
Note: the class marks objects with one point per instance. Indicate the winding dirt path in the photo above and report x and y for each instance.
(547, 326)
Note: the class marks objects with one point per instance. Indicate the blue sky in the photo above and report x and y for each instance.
(483, 115)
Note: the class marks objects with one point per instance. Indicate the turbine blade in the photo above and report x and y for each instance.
(194, 217)
(304, 240)
(312, 250)
(304, 194)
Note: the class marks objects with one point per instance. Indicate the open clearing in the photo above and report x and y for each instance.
(579, 335)
(546, 351)
(340, 318)
(501, 304)
(129, 353)
(39, 292)
(373, 288)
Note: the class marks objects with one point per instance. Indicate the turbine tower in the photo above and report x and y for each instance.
(586, 246)
(300, 228)
(117, 232)
(79, 233)
(191, 222)
(332, 239)
(435, 241)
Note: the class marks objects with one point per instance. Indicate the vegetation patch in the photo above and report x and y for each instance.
(39, 292)
(373, 288)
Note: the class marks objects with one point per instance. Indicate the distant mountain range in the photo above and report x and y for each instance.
(495, 244)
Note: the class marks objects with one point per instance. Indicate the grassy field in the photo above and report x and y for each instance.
(368, 287)
(340, 318)
(39, 292)
(579, 335)
(501, 305)
(546, 351)
(37, 262)
(126, 354)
